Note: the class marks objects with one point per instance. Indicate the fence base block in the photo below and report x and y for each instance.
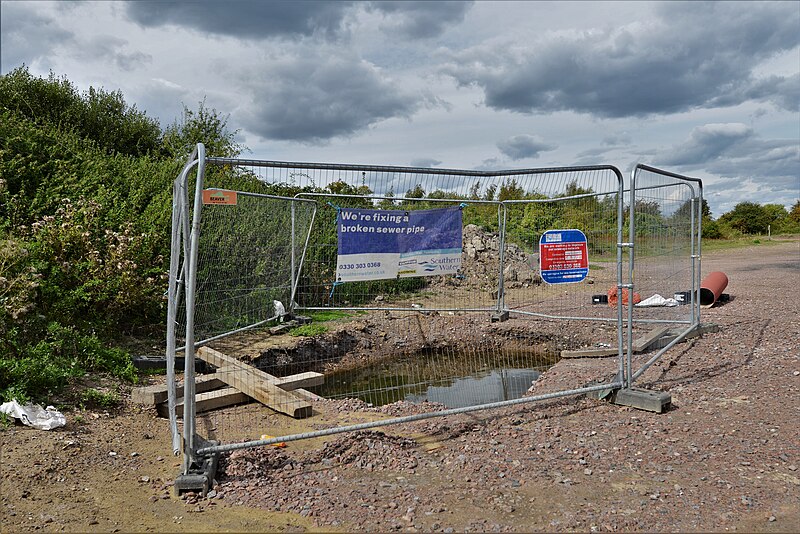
(643, 399)
(200, 478)
(500, 317)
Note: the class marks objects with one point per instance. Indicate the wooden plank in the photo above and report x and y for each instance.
(287, 383)
(640, 345)
(210, 400)
(218, 359)
(256, 383)
(307, 395)
(290, 383)
(157, 393)
(649, 338)
(267, 393)
(588, 353)
(300, 380)
(283, 328)
(704, 328)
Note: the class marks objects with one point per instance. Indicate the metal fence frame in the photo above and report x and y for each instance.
(183, 270)
(695, 186)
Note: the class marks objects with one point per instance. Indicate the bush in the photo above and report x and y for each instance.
(93, 276)
(44, 368)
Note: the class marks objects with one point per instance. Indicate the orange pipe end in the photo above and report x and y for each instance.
(712, 287)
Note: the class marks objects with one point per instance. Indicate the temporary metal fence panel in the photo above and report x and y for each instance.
(589, 201)
(248, 245)
(430, 338)
(665, 214)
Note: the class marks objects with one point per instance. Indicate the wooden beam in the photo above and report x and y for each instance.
(267, 393)
(300, 380)
(287, 383)
(588, 353)
(290, 383)
(210, 400)
(157, 393)
(649, 338)
(255, 383)
(653, 340)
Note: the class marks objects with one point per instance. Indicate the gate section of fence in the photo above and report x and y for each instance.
(462, 311)
(664, 223)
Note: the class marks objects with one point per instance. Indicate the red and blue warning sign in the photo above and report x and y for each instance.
(563, 256)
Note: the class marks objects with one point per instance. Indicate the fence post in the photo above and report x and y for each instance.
(292, 274)
(189, 421)
(630, 285)
(501, 314)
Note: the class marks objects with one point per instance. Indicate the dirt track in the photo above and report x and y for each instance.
(725, 457)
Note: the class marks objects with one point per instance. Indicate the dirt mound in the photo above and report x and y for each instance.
(480, 263)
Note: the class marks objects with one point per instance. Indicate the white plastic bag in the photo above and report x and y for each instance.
(657, 300)
(34, 415)
(280, 311)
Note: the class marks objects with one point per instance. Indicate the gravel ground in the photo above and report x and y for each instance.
(724, 457)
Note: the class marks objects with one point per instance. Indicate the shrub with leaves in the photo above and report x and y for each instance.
(94, 275)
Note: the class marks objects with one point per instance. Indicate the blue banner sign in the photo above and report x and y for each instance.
(381, 244)
(563, 256)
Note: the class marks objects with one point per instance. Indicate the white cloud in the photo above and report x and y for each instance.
(706, 89)
(640, 69)
(28, 35)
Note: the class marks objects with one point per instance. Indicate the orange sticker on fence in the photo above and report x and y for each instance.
(215, 196)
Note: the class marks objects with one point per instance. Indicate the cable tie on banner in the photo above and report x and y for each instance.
(462, 205)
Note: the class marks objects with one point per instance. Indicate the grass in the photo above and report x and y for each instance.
(712, 245)
(98, 399)
(308, 330)
(329, 315)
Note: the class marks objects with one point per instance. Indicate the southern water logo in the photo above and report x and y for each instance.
(428, 267)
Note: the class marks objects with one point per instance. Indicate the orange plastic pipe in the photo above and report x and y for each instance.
(712, 287)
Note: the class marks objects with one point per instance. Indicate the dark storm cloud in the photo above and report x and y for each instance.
(112, 50)
(313, 96)
(692, 55)
(734, 151)
(250, 19)
(419, 20)
(259, 19)
(709, 142)
(523, 146)
(26, 36)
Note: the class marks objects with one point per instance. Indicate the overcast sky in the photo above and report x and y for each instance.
(710, 90)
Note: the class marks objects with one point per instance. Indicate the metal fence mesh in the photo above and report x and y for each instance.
(417, 339)
(666, 212)
(245, 262)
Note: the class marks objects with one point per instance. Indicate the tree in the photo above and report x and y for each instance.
(748, 218)
(490, 191)
(207, 126)
(416, 192)
(387, 203)
(510, 190)
(98, 115)
(684, 212)
(475, 190)
(573, 189)
(794, 215)
(776, 213)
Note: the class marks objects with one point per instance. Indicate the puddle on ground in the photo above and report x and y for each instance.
(453, 379)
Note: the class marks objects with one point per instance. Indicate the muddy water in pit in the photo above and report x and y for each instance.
(454, 379)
